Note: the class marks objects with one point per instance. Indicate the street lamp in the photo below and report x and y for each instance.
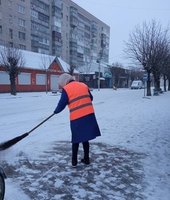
(99, 68)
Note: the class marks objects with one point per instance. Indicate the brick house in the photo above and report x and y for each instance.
(40, 73)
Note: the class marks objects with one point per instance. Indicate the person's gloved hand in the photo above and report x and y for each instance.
(55, 112)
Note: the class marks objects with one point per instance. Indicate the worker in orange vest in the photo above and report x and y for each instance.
(83, 122)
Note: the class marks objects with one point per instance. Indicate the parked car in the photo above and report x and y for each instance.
(137, 84)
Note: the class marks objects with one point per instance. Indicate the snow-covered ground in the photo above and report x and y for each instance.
(131, 156)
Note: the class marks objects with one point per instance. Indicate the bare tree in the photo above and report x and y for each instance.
(12, 60)
(71, 70)
(160, 57)
(117, 71)
(166, 71)
(136, 74)
(145, 47)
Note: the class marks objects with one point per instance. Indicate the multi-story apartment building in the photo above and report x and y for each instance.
(86, 38)
(15, 24)
(55, 27)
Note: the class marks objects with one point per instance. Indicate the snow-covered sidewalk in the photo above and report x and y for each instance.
(131, 160)
(114, 173)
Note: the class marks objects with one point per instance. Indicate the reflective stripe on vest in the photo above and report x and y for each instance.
(79, 100)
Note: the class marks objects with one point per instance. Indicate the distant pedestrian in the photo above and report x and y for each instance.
(83, 122)
(114, 87)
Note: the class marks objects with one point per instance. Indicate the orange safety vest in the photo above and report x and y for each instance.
(79, 101)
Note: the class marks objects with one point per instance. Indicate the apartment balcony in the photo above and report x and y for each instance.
(56, 50)
(56, 35)
(80, 42)
(94, 29)
(46, 24)
(56, 28)
(57, 43)
(73, 45)
(94, 42)
(103, 40)
(80, 63)
(34, 43)
(103, 43)
(73, 14)
(39, 32)
(73, 21)
(73, 61)
(103, 36)
(38, 44)
(80, 55)
(94, 34)
(73, 11)
(57, 3)
(73, 40)
(80, 49)
(38, 9)
(56, 11)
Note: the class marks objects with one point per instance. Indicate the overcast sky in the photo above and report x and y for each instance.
(122, 16)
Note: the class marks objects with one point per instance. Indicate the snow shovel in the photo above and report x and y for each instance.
(2, 183)
(9, 143)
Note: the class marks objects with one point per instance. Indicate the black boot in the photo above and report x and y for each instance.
(74, 162)
(75, 147)
(86, 159)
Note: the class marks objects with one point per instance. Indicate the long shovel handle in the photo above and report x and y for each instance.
(9, 143)
(40, 123)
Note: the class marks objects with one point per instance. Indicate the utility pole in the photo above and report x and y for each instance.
(99, 67)
(102, 46)
(99, 75)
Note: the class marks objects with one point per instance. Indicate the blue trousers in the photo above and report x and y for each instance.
(75, 147)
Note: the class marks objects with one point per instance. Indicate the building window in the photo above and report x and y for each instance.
(40, 79)
(34, 14)
(24, 79)
(21, 22)
(11, 44)
(43, 17)
(43, 51)
(21, 9)
(4, 78)
(21, 35)
(10, 19)
(11, 33)
(21, 46)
